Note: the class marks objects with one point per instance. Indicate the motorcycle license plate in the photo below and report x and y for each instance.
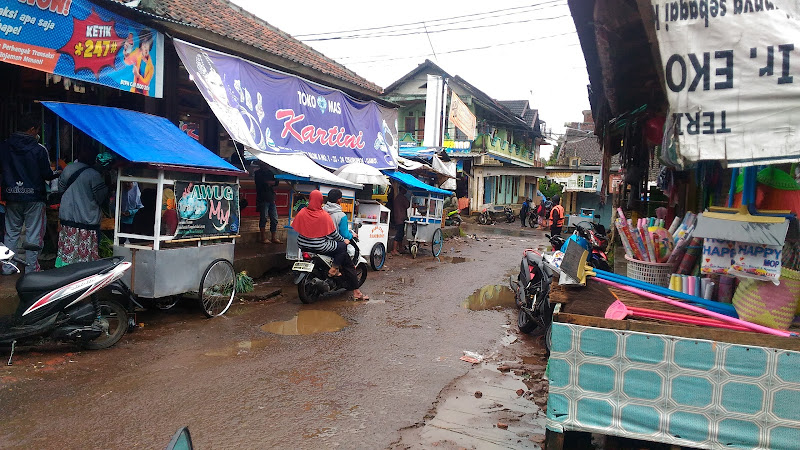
(303, 266)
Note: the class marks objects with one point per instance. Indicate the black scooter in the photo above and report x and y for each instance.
(532, 294)
(63, 304)
(311, 274)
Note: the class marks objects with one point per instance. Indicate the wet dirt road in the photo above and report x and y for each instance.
(279, 374)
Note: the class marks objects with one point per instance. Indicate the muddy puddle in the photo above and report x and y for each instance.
(308, 321)
(490, 297)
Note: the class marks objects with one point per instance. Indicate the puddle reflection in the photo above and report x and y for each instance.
(308, 321)
(490, 297)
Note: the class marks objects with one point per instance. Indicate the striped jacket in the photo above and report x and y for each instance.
(324, 245)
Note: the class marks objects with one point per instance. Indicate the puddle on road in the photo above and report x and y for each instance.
(490, 297)
(453, 259)
(308, 321)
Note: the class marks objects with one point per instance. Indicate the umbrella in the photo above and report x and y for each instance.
(361, 173)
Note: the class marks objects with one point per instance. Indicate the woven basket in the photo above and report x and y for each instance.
(764, 303)
(653, 273)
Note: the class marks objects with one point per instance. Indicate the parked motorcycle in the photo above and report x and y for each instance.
(557, 242)
(63, 304)
(595, 234)
(532, 294)
(510, 216)
(311, 274)
(486, 217)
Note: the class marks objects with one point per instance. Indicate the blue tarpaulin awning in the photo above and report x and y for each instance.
(139, 137)
(412, 182)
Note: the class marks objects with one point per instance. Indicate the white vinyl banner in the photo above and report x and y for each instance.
(732, 78)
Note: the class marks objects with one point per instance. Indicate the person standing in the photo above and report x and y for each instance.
(265, 202)
(334, 208)
(400, 205)
(541, 210)
(130, 202)
(556, 217)
(83, 191)
(25, 171)
(523, 212)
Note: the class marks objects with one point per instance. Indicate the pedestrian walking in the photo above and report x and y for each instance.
(265, 202)
(25, 168)
(83, 192)
(556, 217)
(523, 212)
(400, 205)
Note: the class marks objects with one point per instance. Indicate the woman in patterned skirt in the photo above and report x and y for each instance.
(83, 192)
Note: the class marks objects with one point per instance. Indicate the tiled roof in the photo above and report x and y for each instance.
(584, 145)
(226, 19)
(518, 107)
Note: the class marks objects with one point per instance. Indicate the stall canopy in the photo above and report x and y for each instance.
(302, 166)
(139, 137)
(412, 182)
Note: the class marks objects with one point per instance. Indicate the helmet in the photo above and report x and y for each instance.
(556, 199)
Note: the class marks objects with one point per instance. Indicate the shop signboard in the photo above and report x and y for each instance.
(278, 113)
(207, 209)
(462, 117)
(729, 74)
(80, 40)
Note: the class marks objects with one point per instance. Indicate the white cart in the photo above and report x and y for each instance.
(373, 234)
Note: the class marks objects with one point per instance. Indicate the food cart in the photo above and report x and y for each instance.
(182, 240)
(373, 220)
(424, 223)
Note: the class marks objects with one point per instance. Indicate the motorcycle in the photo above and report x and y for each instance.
(510, 216)
(595, 234)
(453, 218)
(63, 304)
(311, 274)
(532, 294)
(486, 217)
(557, 242)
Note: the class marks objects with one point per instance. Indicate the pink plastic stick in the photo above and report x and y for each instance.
(692, 321)
(706, 312)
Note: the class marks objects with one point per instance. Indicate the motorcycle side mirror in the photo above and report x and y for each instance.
(182, 440)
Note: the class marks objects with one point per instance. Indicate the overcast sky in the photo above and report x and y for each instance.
(509, 49)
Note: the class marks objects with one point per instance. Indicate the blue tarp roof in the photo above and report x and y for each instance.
(418, 152)
(139, 137)
(412, 182)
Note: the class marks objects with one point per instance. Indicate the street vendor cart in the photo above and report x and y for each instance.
(373, 234)
(181, 240)
(424, 223)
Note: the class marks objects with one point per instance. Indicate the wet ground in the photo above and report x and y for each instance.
(386, 373)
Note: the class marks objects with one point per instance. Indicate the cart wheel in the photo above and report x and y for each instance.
(437, 242)
(377, 256)
(361, 270)
(413, 249)
(217, 288)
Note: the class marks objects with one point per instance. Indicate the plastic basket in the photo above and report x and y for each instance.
(654, 273)
(766, 304)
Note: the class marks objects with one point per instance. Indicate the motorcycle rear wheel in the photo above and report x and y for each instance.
(116, 318)
(306, 290)
(482, 219)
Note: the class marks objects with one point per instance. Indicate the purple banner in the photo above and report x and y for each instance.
(278, 113)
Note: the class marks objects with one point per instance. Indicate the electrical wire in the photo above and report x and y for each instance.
(411, 33)
(432, 21)
(483, 47)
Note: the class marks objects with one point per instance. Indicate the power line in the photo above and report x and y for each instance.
(430, 42)
(426, 31)
(446, 19)
(483, 47)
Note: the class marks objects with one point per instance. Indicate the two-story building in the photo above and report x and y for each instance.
(501, 164)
